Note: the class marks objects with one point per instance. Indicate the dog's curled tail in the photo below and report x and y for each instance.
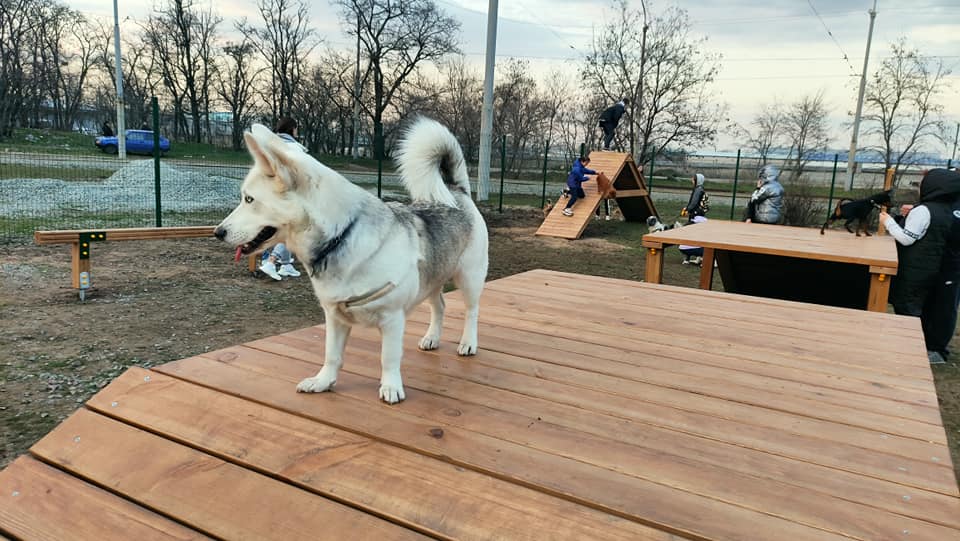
(431, 163)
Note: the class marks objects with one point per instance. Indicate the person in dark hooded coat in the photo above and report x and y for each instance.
(928, 250)
(609, 120)
(697, 204)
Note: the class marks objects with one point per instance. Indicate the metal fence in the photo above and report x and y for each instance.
(41, 191)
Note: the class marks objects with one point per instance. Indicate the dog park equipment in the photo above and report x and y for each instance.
(81, 244)
(783, 262)
(633, 197)
(640, 426)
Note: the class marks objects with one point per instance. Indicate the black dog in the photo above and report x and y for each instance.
(859, 209)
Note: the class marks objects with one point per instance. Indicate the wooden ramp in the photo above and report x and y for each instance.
(631, 424)
(633, 198)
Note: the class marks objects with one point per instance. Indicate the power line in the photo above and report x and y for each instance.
(829, 33)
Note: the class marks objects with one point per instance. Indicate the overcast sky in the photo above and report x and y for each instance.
(771, 48)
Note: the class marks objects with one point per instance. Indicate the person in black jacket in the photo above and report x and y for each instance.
(928, 250)
(697, 205)
(609, 120)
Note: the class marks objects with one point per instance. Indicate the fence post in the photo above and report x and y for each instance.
(378, 152)
(583, 148)
(833, 182)
(736, 177)
(543, 196)
(503, 160)
(653, 158)
(155, 107)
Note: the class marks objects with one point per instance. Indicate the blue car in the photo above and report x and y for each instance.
(138, 142)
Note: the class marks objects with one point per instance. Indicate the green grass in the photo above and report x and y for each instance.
(27, 170)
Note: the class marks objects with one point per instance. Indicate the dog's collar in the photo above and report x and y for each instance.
(319, 261)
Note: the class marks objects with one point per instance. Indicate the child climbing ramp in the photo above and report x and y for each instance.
(629, 189)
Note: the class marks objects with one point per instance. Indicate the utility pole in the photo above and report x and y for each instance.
(637, 104)
(121, 114)
(356, 97)
(851, 164)
(486, 118)
(956, 136)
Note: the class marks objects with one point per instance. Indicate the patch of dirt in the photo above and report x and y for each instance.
(159, 301)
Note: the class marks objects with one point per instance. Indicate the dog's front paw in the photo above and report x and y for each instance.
(467, 348)
(429, 342)
(391, 394)
(317, 384)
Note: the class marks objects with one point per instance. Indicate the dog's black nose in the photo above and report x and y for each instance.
(220, 233)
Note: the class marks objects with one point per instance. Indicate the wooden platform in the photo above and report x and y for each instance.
(789, 263)
(633, 198)
(626, 415)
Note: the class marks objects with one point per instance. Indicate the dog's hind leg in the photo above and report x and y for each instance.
(470, 283)
(391, 355)
(431, 340)
(337, 333)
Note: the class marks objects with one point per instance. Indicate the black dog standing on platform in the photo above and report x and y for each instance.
(859, 209)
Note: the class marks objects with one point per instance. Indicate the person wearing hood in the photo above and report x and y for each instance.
(928, 250)
(697, 204)
(609, 120)
(766, 203)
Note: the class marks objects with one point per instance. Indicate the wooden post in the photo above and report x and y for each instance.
(654, 270)
(887, 184)
(79, 264)
(706, 269)
(879, 292)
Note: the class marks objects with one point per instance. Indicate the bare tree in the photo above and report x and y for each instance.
(901, 108)
(236, 85)
(15, 27)
(396, 38)
(768, 125)
(141, 74)
(284, 41)
(459, 98)
(666, 82)
(520, 112)
(805, 126)
(178, 34)
(67, 53)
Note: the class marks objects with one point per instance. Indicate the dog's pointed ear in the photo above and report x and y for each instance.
(256, 145)
(272, 155)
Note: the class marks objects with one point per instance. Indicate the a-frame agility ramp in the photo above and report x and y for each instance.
(633, 197)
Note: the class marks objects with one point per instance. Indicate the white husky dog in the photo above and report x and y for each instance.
(370, 262)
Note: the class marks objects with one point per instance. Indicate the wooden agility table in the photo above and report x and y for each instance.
(790, 263)
(576, 424)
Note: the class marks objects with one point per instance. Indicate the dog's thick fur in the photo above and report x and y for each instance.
(370, 262)
(859, 209)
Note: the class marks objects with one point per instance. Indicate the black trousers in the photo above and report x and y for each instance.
(936, 306)
(608, 130)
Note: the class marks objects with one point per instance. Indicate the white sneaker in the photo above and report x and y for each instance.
(607, 218)
(567, 212)
(270, 270)
(288, 270)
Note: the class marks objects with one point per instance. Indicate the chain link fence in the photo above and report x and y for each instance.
(44, 191)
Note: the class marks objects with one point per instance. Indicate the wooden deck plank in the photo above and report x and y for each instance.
(205, 492)
(779, 319)
(740, 334)
(424, 371)
(921, 473)
(784, 241)
(419, 492)
(38, 502)
(759, 387)
(688, 514)
(620, 362)
(746, 342)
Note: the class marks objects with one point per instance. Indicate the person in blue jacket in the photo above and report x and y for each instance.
(576, 178)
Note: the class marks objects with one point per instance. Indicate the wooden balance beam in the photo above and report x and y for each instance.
(80, 243)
